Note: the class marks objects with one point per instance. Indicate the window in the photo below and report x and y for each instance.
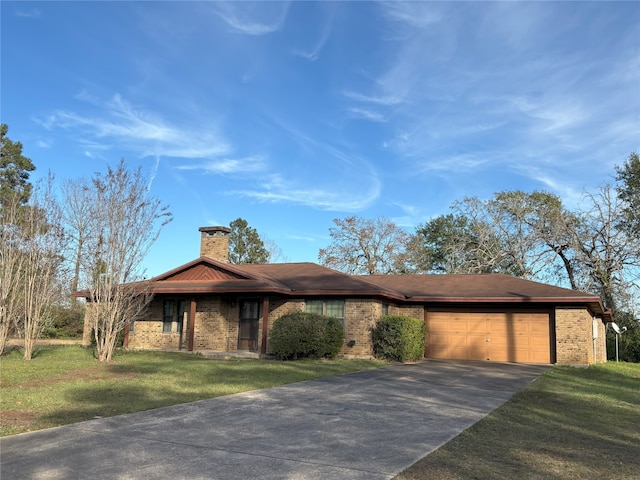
(167, 315)
(385, 309)
(173, 311)
(182, 306)
(328, 308)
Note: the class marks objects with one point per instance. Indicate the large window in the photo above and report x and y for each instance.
(328, 308)
(173, 311)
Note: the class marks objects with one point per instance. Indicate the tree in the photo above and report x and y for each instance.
(79, 201)
(127, 222)
(31, 266)
(245, 245)
(11, 260)
(470, 240)
(361, 246)
(276, 254)
(527, 234)
(42, 242)
(15, 191)
(629, 192)
(536, 232)
(450, 244)
(14, 169)
(605, 250)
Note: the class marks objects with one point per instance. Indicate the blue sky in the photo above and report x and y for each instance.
(291, 114)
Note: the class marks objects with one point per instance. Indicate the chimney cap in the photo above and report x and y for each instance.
(211, 230)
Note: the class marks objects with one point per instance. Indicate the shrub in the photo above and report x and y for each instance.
(305, 335)
(399, 339)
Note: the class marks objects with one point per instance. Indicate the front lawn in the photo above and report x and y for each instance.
(571, 423)
(64, 385)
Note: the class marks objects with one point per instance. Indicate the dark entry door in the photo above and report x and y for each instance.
(248, 328)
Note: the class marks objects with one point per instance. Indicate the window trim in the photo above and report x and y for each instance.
(176, 317)
(325, 310)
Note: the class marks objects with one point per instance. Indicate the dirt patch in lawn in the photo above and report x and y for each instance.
(18, 420)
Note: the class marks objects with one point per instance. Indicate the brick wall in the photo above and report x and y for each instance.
(360, 316)
(574, 340)
(147, 333)
(216, 328)
(213, 330)
(214, 243)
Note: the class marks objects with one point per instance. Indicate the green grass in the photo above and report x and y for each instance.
(64, 385)
(571, 423)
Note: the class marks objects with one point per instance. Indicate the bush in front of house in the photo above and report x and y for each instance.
(68, 322)
(305, 335)
(399, 339)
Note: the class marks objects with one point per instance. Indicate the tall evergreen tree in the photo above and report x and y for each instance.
(14, 169)
(245, 244)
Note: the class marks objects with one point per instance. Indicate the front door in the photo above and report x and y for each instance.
(248, 328)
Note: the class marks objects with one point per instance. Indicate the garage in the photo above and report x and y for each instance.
(499, 336)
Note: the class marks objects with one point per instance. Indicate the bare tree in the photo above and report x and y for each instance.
(15, 191)
(362, 246)
(276, 255)
(42, 266)
(11, 259)
(80, 222)
(486, 251)
(127, 222)
(605, 249)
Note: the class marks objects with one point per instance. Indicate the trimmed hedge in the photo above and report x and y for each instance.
(400, 339)
(305, 335)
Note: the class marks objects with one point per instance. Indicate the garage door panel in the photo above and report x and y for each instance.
(499, 336)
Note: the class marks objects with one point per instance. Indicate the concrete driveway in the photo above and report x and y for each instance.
(368, 425)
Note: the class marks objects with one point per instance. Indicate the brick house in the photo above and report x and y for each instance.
(210, 305)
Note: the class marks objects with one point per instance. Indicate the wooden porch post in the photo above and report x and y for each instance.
(127, 327)
(265, 325)
(192, 325)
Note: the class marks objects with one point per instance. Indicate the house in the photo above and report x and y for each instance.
(210, 305)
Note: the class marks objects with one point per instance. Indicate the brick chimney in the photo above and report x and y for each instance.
(214, 243)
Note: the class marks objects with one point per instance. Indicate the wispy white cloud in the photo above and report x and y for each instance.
(254, 163)
(560, 185)
(313, 53)
(367, 114)
(252, 18)
(415, 14)
(514, 86)
(453, 164)
(385, 100)
(144, 132)
(44, 143)
(334, 197)
(412, 216)
(28, 13)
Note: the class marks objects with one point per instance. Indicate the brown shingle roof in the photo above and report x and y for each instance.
(205, 275)
(482, 288)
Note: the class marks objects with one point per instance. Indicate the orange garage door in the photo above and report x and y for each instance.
(499, 337)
